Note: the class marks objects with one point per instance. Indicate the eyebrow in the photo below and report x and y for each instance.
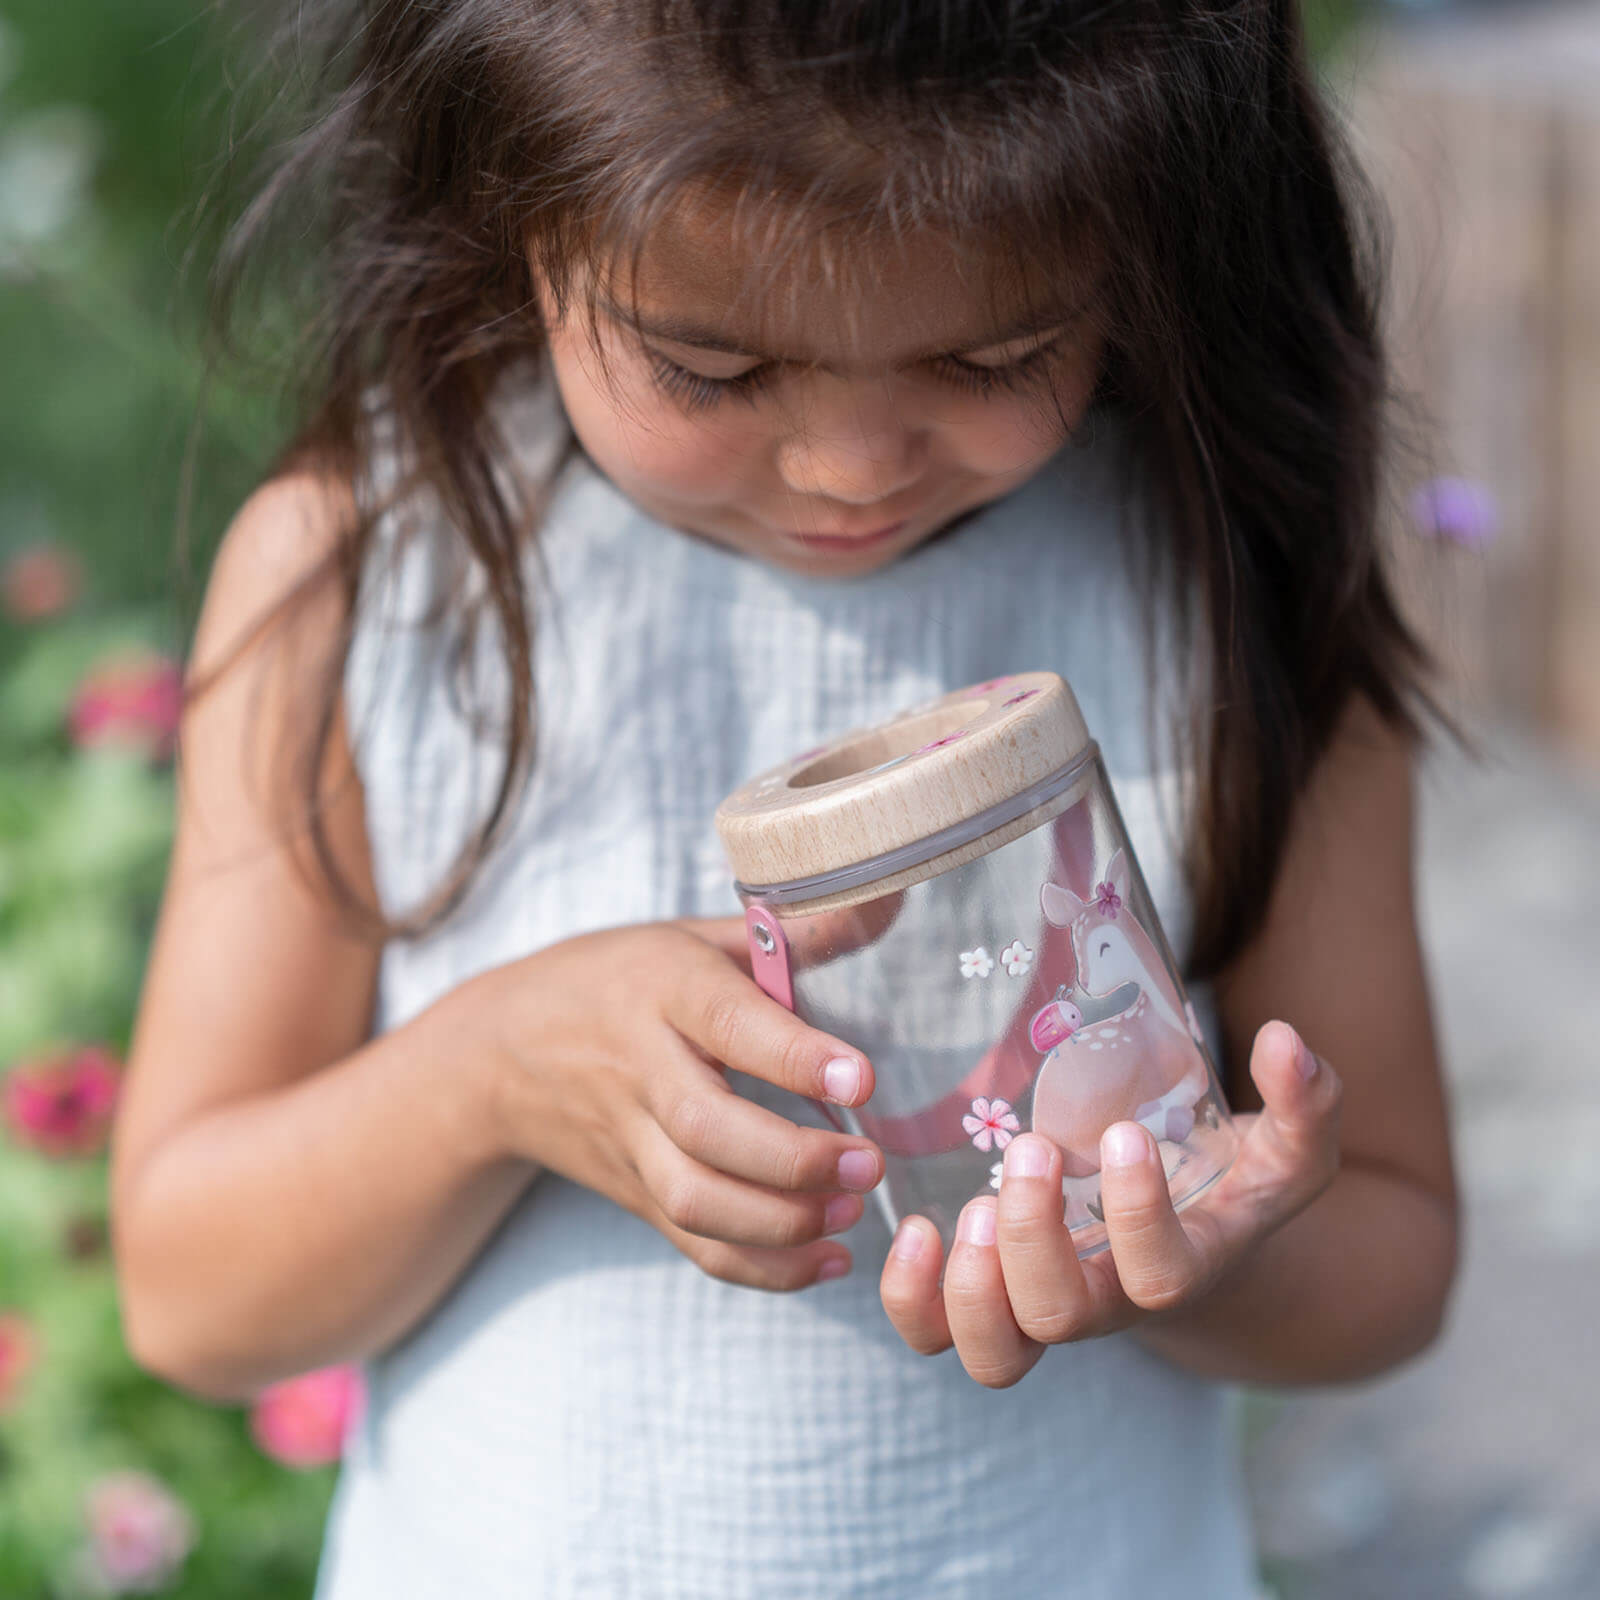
(680, 330)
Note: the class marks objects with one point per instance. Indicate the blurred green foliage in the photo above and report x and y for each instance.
(113, 118)
(111, 122)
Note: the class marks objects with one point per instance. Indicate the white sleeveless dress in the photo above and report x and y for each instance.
(587, 1413)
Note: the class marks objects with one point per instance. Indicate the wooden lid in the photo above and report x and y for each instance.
(933, 768)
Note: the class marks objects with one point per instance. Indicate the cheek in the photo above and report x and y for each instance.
(641, 440)
(1010, 435)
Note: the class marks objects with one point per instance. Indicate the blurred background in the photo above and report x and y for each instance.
(1472, 1473)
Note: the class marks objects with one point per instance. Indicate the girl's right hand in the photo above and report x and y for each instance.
(611, 1052)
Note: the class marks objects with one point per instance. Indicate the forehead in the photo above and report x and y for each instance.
(835, 289)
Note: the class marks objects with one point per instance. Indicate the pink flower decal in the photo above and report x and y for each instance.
(992, 1122)
(303, 1422)
(949, 738)
(62, 1105)
(132, 701)
(1107, 899)
(17, 1348)
(140, 1534)
(39, 582)
(1017, 699)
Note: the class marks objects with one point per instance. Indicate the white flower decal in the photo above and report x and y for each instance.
(992, 1122)
(976, 963)
(1017, 958)
(994, 1174)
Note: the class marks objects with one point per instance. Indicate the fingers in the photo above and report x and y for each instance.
(721, 1011)
(993, 1349)
(909, 1287)
(1289, 1155)
(697, 1199)
(780, 1270)
(1293, 1146)
(708, 1121)
(1157, 1263)
(971, 1311)
(1051, 1298)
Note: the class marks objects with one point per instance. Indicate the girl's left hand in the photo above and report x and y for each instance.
(1015, 1284)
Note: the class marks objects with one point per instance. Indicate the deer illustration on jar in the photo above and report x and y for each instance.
(1140, 1064)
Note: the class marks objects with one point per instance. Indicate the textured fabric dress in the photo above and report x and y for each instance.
(587, 1413)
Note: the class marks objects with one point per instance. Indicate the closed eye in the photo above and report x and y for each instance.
(696, 392)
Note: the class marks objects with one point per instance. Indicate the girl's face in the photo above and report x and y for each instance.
(828, 429)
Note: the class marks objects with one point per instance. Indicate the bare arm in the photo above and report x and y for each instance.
(284, 1193)
(287, 1193)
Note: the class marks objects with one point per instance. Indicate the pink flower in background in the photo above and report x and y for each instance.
(140, 1534)
(131, 700)
(17, 1349)
(1107, 899)
(61, 1105)
(39, 582)
(992, 1122)
(303, 1421)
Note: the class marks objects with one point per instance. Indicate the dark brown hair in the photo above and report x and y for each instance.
(448, 143)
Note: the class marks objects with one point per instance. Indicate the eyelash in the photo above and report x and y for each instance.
(696, 392)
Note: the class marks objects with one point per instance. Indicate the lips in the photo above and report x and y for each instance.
(847, 541)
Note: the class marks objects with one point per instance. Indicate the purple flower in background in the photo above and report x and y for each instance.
(140, 1534)
(1456, 510)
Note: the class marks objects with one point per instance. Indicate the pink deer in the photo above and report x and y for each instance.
(1140, 1065)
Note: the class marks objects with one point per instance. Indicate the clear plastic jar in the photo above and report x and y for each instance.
(954, 893)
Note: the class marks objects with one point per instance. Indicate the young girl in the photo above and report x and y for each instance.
(692, 381)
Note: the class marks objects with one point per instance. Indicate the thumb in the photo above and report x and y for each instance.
(1298, 1129)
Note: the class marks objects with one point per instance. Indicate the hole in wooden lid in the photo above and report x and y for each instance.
(889, 743)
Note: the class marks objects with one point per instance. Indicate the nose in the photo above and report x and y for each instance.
(853, 448)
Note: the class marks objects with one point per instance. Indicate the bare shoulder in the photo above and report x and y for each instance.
(1340, 956)
(255, 975)
(283, 539)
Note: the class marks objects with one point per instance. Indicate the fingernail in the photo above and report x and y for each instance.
(908, 1242)
(976, 1225)
(840, 1213)
(1304, 1061)
(841, 1080)
(858, 1170)
(833, 1267)
(1124, 1145)
(1027, 1158)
